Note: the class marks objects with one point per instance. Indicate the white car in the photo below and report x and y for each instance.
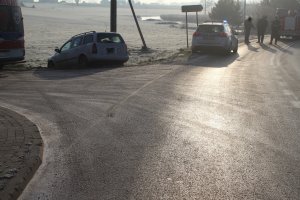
(215, 36)
(91, 47)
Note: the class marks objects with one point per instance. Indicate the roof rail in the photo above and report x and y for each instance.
(83, 33)
(214, 21)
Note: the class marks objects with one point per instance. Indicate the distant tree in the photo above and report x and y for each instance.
(227, 10)
(289, 4)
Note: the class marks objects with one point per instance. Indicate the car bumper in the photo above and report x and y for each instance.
(209, 48)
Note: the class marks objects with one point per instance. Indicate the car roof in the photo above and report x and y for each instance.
(213, 23)
(89, 32)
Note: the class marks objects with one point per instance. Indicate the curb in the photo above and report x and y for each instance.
(22, 150)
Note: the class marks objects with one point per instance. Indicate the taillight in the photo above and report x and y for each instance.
(12, 44)
(223, 34)
(94, 49)
(126, 49)
(196, 34)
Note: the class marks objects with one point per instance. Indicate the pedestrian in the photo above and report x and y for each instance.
(275, 29)
(248, 25)
(262, 25)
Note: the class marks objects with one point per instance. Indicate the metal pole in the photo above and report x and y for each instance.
(113, 16)
(205, 7)
(197, 19)
(138, 26)
(187, 30)
(245, 7)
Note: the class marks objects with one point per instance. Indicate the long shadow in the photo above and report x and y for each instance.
(252, 48)
(283, 49)
(69, 73)
(268, 48)
(215, 60)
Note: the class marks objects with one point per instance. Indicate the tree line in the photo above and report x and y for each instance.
(232, 10)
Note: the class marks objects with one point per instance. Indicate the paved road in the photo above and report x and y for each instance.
(216, 128)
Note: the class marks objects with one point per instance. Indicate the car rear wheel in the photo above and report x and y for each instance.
(83, 61)
(51, 64)
(235, 50)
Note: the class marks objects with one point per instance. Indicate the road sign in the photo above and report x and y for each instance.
(192, 8)
(187, 9)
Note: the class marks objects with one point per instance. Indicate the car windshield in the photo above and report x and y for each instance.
(210, 28)
(109, 38)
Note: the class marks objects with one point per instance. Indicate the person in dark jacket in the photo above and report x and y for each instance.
(262, 25)
(248, 26)
(275, 30)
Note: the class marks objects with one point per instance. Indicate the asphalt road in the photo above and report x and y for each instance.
(216, 128)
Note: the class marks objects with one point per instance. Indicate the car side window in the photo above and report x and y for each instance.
(66, 46)
(88, 39)
(76, 42)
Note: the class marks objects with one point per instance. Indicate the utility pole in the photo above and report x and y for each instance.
(245, 8)
(113, 16)
(138, 26)
(205, 7)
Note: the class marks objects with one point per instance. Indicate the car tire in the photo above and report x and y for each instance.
(235, 50)
(83, 61)
(50, 64)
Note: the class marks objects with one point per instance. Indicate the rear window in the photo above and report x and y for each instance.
(210, 28)
(109, 38)
(11, 19)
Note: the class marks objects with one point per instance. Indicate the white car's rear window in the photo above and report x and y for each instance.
(210, 28)
(109, 38)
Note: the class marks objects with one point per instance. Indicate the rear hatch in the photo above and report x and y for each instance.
(208, 34)
(11, 32)
(111, 45)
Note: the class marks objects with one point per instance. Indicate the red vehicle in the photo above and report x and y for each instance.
(289, 22)
(11, 32)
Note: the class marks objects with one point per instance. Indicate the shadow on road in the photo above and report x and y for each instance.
(268, 48)
(212, 60)
(252, 48)
(64, 73)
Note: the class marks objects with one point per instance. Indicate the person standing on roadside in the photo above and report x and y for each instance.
(262, 25)
(275, 29)
(248, 25)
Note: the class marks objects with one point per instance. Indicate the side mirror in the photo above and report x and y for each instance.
(57, 50)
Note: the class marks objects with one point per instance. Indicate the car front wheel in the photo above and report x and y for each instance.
(51, 64)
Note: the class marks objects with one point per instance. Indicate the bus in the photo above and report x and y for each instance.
(11, 32)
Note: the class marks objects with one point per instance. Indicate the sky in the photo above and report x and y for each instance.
(158, 1)
(180, 2)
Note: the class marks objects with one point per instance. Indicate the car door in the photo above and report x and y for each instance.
(63, 56)
(76, 50)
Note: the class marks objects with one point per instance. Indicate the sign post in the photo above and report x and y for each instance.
(187, 9)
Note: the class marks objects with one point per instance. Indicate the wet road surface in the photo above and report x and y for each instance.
(216, 128)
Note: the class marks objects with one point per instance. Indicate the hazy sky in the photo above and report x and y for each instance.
(159, 1)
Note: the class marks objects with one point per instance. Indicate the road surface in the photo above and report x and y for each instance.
(215, 128)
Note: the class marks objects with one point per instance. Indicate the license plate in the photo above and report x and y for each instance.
(209, 37)
(110, 50)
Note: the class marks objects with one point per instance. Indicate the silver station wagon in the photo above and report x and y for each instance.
(215, 36)
(90, 47)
